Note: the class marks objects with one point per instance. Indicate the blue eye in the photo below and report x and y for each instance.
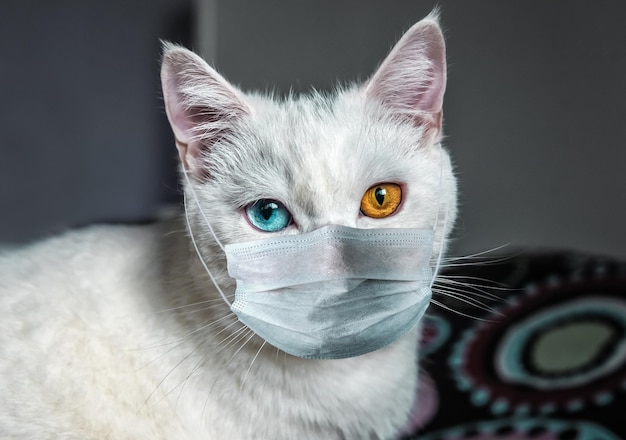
(268, 215)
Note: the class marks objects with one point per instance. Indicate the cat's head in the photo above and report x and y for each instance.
(260, 166)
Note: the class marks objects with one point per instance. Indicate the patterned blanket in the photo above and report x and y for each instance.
(542, 356)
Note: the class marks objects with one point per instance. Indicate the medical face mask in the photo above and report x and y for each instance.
(333, 293)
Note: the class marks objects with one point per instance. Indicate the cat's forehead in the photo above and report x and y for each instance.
(331, 128)
(323, 152)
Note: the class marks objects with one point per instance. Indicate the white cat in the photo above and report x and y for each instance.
(118, 332)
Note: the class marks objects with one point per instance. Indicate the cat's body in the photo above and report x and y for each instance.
(84, 356)
(119, 332)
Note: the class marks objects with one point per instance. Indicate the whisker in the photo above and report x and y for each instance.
(179, 363)
(198, 364)
(488, 283)
(467, 300)
(252, 335)
(483, 261)
(243, 328)
(202, 309)
(173, 232)
(469, 294)
(470, 291)
(478, 254)
(168, 375)
(252, 363)
(474, 289)
(201, 362)
(216, 301)
(443, 306)
(235, 337)
(184, 338)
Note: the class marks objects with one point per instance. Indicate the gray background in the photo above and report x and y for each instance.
(534, 110)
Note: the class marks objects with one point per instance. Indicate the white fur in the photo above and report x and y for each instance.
(118, 332)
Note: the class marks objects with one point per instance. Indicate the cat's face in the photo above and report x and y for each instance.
(366, 157)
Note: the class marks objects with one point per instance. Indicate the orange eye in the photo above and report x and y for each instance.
(381, 200)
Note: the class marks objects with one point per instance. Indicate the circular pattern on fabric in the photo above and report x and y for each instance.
(569, 344)
(524, 429)
(562, 345)
(434, 333)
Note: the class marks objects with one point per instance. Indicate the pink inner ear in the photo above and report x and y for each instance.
(180, 120)
(431, 96)
(412, 78)
(201, 105)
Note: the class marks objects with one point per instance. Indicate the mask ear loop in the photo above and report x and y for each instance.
(445, 218)
(193, 240)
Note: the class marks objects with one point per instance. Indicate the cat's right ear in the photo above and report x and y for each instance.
(411, 81)
(201, 105)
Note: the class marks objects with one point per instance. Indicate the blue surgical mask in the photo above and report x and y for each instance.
(335, 292)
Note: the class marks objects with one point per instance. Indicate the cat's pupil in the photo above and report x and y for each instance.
(380, 195)
(268, 209)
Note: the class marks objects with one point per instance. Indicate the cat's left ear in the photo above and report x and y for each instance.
(201, 105)
(411, 81)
